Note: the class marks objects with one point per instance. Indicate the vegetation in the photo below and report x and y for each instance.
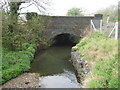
(118, 13)
(19, 40)
(75, 12)
(16, 6)
(112, 11)
(16, 62)
(36, 24)
(102, 55)
(19, 46)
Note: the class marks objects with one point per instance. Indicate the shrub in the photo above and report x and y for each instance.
(16, 62)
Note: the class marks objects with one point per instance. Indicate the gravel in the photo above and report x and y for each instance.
(26, 80)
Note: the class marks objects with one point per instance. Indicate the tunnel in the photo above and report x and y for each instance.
(65, 39)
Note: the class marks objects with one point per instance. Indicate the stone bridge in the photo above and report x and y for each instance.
(75, 27)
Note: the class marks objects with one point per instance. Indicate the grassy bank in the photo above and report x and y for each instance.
(16, 62)
(101, 53)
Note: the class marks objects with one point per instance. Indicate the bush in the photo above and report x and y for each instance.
(16, 62)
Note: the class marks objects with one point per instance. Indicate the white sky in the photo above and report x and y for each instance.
(60, 7)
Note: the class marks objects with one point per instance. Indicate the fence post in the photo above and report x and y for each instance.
(116, 30)
(93, 25)
(101, 26)
(111, 32)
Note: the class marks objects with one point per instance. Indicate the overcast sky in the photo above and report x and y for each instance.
(60, 7)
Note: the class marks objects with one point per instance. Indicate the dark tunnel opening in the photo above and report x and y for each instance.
(64, 40)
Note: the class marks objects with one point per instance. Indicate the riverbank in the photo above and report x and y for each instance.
(15, 63)
(100, 54)
(25, 80)
(81, 66)
(51, 76)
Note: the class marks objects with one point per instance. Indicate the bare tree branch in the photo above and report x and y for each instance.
(4, 5)
(26, 6)
(40, 5)
(37, 7)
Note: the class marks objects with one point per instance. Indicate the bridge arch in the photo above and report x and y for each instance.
(75, 27)
(64, 38)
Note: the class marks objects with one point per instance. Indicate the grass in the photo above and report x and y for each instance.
(102, 56)
(16, 62)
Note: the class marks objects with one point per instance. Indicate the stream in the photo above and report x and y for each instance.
(54, 68)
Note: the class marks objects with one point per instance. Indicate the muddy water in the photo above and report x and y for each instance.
(54, 67)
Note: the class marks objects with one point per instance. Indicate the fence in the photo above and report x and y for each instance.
(110, 30)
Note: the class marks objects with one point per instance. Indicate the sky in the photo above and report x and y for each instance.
(60, 7)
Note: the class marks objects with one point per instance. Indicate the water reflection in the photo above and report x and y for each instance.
(64, 80)
(53, 64)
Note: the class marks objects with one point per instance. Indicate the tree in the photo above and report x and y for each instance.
(40, 4)
(13, 32)
(75, 12)
(111, 11)
(118, 11)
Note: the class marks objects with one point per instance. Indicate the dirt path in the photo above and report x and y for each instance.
(26, 80)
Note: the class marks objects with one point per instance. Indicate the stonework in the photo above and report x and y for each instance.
(75, 26)
(81, 66)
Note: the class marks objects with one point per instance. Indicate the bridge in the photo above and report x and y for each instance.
(69, 26)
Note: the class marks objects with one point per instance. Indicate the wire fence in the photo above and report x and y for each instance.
(110, 29)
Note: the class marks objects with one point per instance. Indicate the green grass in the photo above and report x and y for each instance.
(102, 55)
(16, 62)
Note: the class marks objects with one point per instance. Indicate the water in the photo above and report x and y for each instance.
(54, 67)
